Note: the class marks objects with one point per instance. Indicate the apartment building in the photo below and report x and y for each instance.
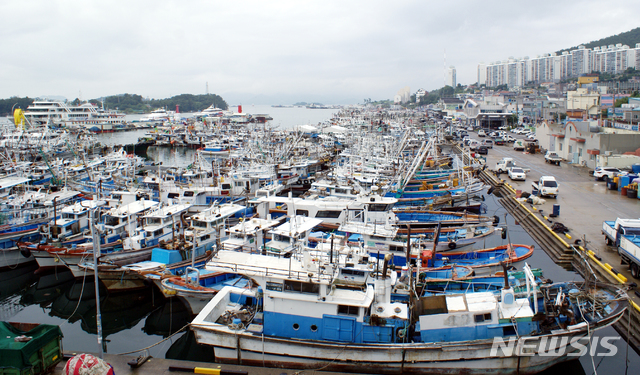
(551, 67)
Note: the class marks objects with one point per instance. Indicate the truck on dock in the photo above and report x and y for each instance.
(504, 164)
(630, 253)
(546, 186)
(614, 230)
(552, 157)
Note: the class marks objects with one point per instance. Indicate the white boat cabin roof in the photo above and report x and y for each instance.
(133, 208)
(83, 206)
(252, 226)
(216, 212)
(11, 181)
(169, 210)
(296, 226)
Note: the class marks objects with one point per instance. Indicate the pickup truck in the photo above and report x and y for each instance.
(630, 253)
(546, 186)
(613, 230)
(504, 164)
(552, 158)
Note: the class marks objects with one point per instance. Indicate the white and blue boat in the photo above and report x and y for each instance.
(306, 314)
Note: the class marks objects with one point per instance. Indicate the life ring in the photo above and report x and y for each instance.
(452, 245)
(401, 332)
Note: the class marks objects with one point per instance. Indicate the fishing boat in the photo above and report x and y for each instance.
(306, 315)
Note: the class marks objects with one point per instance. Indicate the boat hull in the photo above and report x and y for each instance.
(12, 258)
(451, 358)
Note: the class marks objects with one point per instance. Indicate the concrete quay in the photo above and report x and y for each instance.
(160, 366)
(584, 204)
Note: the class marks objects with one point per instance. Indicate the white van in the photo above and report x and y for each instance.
(518, 145)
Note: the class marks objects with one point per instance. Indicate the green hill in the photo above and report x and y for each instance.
(132, 103)
(629, 38)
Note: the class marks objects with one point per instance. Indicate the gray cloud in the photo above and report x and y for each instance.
(278, 51)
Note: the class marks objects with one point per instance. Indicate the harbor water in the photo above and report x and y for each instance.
(284, 118)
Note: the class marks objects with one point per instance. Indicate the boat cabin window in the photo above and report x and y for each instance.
(341, 191)
(348, 310)
(226, 186)
(112, 221)
(205, 237)
(154, 220)
(328, 214)
(274, 286)
(379, 207)
(480, 318)
(377, 238)
(280, 238)
(173, 195)
(198, 224)
(298, 286)
(397, 248)
(433, 305)
(157, 233)
(302, 213)
(239, 184)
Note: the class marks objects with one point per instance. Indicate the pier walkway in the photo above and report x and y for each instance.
(584, 205)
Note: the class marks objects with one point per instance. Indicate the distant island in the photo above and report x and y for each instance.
(132, 103)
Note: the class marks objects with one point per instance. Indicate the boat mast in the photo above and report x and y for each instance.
(96, 253)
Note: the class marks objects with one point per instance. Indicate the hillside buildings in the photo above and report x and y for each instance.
(552, 67)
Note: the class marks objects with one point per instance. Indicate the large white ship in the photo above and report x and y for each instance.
(86, 116)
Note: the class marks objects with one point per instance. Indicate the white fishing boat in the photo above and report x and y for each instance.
(307, 314)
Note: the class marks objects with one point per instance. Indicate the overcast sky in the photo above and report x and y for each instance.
(279, 52)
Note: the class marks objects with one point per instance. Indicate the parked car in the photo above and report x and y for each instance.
(483, 150)
(517, 130)
(508, 139)
(502, 128)
(488, 143)
(516, 173)
(473, 145)
(481, 133)
(530, 137)
(498, 141)
(609, 172)
(470, 129)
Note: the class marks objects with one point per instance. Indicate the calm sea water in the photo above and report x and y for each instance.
(283, 118)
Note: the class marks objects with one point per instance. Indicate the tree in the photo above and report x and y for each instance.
(621, 101)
